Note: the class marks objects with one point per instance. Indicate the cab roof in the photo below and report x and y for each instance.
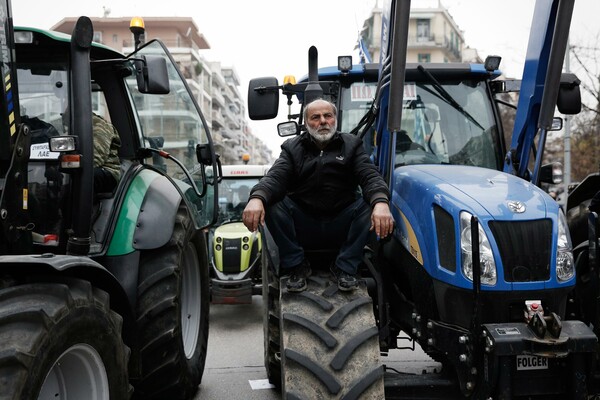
(58, 42)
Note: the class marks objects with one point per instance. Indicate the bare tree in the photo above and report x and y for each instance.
(585, 127)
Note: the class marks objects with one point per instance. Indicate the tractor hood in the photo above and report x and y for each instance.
(427, 202)
(231, 230)
(486, 193)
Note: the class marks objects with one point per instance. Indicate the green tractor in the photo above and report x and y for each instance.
(102, 295)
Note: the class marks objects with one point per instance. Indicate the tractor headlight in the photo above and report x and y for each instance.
(565, 265)
(486, 257)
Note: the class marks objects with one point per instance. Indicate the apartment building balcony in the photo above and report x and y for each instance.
(217, 118)
(182, 45)
(218, 98)
(424, 41)
(234, 124)
(228, 134)
(228, 96)
(195, 86)
(432, 41)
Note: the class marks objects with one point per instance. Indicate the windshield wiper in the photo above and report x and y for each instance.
(447, 96)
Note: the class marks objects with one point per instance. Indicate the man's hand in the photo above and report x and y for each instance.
(382, 220)
(254, 214)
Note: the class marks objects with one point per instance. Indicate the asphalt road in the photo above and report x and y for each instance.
(234, 361)
(234, 365)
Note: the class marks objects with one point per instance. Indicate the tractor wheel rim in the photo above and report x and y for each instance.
(191, 307)
(78, 373)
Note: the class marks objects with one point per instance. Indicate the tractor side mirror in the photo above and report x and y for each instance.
(263, 98)
(551, 173)
(151, 74)
(569, 95)
(288, 128)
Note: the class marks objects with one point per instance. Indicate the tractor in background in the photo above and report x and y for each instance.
(235, 252)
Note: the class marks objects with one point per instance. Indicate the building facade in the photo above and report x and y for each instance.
(215, 87)
(433, 35)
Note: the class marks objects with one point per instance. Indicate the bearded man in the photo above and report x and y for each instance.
(310, 199)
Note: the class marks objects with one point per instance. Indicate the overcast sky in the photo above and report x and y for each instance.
(272, 37)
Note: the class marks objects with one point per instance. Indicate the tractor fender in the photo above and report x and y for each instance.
(156, 219)
(147, 214)
(50, 266)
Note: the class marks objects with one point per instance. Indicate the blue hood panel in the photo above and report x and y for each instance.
(477, 190)
(482, 192)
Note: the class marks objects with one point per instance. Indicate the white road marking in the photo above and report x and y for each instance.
(258, 384)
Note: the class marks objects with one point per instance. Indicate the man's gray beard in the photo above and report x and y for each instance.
(319, 137)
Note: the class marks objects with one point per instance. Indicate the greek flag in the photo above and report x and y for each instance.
(365, 56)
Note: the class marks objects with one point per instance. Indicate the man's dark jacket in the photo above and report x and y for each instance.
(322, 182)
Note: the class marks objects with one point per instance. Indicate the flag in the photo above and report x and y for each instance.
(365, 56)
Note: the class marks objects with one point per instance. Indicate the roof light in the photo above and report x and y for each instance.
(136, 25)
(291, 79)
(492, 63)
(345, 63)
(23, 37)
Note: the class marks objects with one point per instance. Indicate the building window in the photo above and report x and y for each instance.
(97, 37)
(115, 38)
(423, 30)
(424, 57)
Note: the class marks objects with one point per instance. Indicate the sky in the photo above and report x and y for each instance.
(271, 37)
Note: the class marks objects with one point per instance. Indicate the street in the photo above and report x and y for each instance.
(234, 364)
(234, 360)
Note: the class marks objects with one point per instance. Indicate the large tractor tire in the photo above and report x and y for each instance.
(61, 341)
(172, 309)
(270, 297)
(329, 347)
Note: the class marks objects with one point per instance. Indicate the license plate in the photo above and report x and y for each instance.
(527, 362)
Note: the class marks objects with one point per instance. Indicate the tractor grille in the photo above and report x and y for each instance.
(444, 228)
(524, 248)
(232, 252)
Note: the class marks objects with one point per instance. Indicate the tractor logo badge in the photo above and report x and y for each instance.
(516, 206)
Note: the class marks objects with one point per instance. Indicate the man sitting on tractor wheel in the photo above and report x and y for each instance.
(310, 198)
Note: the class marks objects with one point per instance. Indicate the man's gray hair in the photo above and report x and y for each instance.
(305, 110)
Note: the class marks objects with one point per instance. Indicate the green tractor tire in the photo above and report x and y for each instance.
(61, 341)
(172, 309)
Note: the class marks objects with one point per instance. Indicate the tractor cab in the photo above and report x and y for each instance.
(163, 133)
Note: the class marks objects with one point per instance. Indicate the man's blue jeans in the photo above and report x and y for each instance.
(294, 230)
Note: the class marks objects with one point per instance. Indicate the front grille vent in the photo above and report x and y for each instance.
(525, 249)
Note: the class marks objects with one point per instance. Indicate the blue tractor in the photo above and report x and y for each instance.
(480, 269)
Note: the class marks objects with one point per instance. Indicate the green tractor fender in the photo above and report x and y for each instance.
(57, 268)
(147, 215)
